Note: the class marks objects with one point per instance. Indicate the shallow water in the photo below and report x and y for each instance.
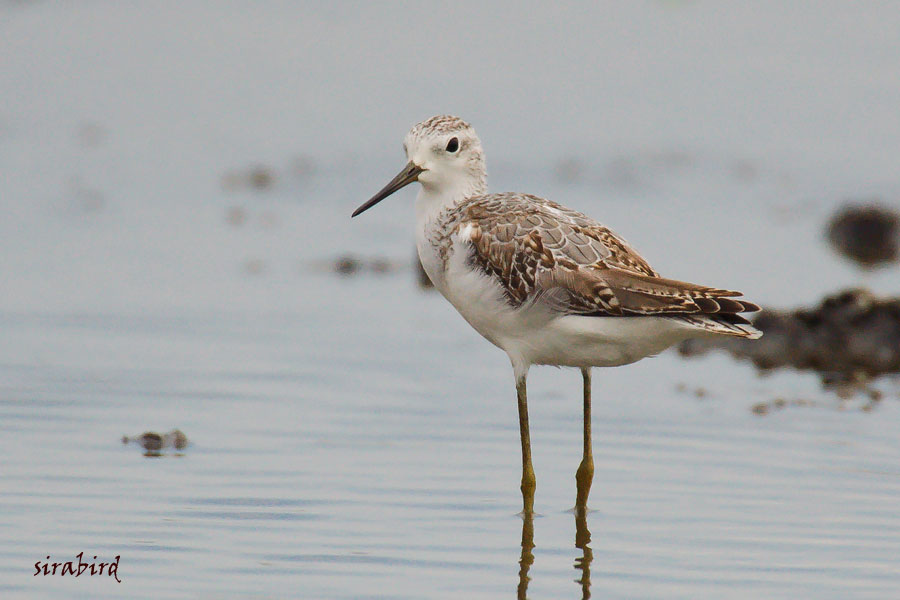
(381, 461)
(351, 437)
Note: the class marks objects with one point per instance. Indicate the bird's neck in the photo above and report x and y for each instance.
(433, 200)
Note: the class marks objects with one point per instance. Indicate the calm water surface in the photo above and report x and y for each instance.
(365, 444)
(351, 437)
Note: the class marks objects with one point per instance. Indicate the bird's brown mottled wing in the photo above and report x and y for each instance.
(542, 252)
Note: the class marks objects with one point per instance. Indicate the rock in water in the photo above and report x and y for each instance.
(867, 234)
(850, 338)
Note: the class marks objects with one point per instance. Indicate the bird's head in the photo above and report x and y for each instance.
(444, 154)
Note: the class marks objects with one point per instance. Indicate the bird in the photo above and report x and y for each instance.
(545, 283)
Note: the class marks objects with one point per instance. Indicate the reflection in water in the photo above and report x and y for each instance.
(583, 563)
(527, 557)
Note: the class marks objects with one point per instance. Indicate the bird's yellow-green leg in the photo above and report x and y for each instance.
(585, 474)
(528, 481)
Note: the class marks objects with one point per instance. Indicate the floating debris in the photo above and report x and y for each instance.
(697, 392)
(760, 408)
(350, 264)
(257, 177)
(850, 339)
(764, 408)
(868, 234)
(261, 178)
(154, 442)
(347, 265)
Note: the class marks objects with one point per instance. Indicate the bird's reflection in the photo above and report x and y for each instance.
(527, 556)
(582, 563)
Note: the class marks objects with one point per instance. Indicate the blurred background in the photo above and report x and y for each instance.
(176, 180)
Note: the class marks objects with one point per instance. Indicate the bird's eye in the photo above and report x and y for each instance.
(453, 145)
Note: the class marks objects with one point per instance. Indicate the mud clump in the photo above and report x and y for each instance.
(764, 408)
(867, 234)
(850, 338)
(349, 264)
(154, 442)
(261, 177)
(256, 177)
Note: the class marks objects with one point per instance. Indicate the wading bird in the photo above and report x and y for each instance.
(547, 284)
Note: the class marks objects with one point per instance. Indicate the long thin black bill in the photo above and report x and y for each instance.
(405, 177)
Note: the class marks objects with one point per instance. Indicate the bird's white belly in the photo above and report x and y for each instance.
(532, 334)
(578, 341)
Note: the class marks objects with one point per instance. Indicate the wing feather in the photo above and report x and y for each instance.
(542, 252)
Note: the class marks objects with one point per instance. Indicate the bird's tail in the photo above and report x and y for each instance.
(723, 324)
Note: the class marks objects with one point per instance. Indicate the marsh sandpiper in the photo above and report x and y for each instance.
(547, 284)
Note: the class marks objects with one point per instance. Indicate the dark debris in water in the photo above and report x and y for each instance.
(869, 401)
(867, 234)
(154, 443)
(261, 177)
(350, 264)
(256, 177)
(764, 408)
(850, 338)
(697, 391)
